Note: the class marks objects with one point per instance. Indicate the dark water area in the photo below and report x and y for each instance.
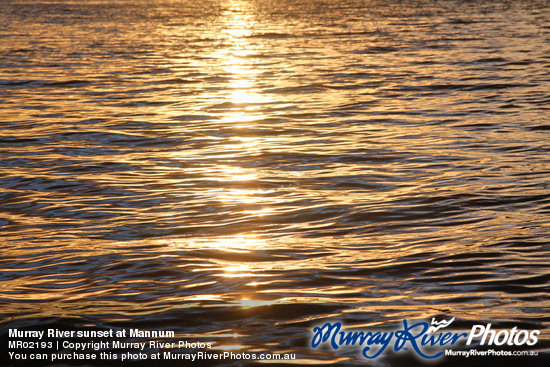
(240, 171)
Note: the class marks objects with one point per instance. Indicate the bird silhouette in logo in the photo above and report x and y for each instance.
(436, 325)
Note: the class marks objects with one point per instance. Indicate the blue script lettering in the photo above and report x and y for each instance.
(405, 335)
(377, 339)
(442, 339)
(332, 332)
(414, 335)
(322, 336)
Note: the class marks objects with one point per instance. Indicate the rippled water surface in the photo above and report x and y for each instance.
(240, 171)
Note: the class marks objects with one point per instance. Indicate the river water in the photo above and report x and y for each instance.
(239, 171)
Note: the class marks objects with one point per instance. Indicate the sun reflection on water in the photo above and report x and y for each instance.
(237, 243)
(242, 102)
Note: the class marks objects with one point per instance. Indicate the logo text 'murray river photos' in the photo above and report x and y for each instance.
(419, 336)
